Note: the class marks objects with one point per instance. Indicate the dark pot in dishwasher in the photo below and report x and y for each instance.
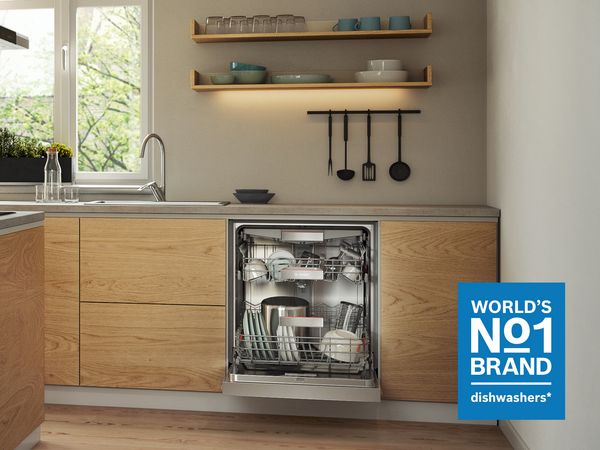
(275, 307)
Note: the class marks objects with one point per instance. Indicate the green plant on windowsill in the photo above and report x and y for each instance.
(13, 146)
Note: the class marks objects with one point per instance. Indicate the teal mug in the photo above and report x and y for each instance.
(400, 23)
(370, 23)
(346, 25)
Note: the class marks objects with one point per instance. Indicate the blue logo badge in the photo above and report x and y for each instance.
(511, 351)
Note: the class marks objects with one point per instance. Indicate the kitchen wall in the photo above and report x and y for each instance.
(217, 142)
(543, 161)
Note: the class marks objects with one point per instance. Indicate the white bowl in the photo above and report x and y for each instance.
(384, 64)
(342, 345)
(381, 76)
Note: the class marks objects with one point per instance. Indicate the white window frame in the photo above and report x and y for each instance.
(65, 81)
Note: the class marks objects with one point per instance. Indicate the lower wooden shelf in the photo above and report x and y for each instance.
(199, 87)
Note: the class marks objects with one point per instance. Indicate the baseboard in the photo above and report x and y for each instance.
(31, 440)
(513, 435)
(198, 401)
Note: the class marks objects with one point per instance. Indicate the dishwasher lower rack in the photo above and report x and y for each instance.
(304, 354)
(319, 354)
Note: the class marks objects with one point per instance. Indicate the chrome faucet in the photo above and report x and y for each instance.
(159, 191)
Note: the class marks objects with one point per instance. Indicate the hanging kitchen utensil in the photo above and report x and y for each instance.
(368, 168)
(399, 171)
(345, 173)
(330, 162)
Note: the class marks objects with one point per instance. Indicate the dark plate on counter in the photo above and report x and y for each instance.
(251, 191)
(256, 198)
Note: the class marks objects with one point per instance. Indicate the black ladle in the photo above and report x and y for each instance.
(399, 171)
(345, 173)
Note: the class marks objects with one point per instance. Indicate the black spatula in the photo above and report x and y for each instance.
(369, 170)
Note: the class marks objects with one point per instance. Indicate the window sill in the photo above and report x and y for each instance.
(29, 188)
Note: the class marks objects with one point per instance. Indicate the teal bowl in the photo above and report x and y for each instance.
(222, 78)
(235, 66)
(250, 76)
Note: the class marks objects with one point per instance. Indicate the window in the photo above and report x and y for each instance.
(84, 83)
(27, 77)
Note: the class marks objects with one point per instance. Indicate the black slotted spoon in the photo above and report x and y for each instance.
(369, 170)
(345, 173)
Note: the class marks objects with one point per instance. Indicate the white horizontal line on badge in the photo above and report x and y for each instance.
(511, 383)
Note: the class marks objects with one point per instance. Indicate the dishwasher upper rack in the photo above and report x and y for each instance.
(308, 268)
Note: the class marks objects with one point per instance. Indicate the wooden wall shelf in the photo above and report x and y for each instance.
(199, 87)
(424, 32)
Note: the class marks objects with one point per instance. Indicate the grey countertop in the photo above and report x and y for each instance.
(470, 211)
(18, 219)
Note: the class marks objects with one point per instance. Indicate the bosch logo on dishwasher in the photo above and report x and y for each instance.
(511, 351)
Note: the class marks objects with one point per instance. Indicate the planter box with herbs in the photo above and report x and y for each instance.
(22, 159)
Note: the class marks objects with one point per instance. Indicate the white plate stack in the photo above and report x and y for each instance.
(382, 71)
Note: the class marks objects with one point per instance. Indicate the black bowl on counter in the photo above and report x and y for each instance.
(255, 196)
(251, 191)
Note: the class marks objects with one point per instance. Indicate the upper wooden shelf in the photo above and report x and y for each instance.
(424, 32)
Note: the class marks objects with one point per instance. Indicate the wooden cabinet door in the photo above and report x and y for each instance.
(62, 301)
(21, 335)
(153, 346)
(421, 264)
(166, 261)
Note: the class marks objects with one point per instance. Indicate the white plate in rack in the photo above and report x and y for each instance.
(279, 260)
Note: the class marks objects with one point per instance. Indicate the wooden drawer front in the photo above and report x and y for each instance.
(153, 346)
(62, 301)
(21, 335)
(421, 263)
(168, 261)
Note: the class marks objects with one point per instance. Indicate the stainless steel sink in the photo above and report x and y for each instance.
(153, 203)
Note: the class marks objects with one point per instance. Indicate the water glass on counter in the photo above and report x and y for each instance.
(70, 194)
(39, 193)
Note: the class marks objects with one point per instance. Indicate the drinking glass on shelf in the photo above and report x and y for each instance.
(238, 24)
(261, 24)
(223, 25)
(299, 23)
(214, 24)
(273, 24)
(285, 23)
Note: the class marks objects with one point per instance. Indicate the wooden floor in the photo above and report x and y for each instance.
(93, 428)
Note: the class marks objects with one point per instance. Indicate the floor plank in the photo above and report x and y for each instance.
(97, 428)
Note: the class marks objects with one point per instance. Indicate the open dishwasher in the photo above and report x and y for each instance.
(302, 311)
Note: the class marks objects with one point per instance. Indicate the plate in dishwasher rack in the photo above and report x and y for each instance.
(281, 344)
(277, 261)
(246, 329)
